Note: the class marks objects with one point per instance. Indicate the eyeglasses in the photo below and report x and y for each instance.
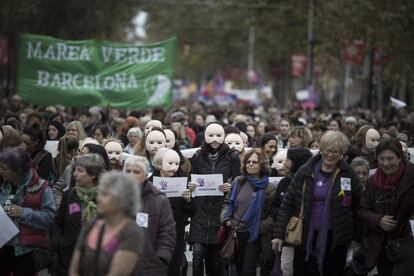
(331, 152)
(253, 162)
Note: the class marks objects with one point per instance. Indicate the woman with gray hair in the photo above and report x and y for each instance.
(134, 136)
(361, 168)
(78, 206)
(324, 192)
(156, 218)
(111, 245)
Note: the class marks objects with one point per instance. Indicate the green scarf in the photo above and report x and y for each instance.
(86, 197)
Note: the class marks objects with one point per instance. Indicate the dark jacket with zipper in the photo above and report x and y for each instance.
(343, 213)
(205, 223)
(373, 208)
(67, 227)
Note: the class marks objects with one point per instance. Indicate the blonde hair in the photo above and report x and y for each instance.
(334, 139)
(303, 133)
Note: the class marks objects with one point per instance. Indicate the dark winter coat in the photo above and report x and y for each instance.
(372, 210)
(205, 223)
(343, 213)
(67, 227)
(160, 234)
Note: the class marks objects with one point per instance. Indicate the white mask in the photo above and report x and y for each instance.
(214, 133)
(154, 141)
(234, 141)
(150, 125)
(372, 139)
(170, 163)
(114, 151)
(170, 138)
(278, 159)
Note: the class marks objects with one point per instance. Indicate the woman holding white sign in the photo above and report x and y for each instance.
(214, 157)
(183, 207)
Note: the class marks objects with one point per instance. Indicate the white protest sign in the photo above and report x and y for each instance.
(207, 184)
(52, 147)
(275, 180)
(171, 186)
(7, 228)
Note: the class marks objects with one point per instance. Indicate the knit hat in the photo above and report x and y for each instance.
(298, 156)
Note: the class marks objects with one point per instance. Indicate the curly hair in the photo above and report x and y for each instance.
(303, 133)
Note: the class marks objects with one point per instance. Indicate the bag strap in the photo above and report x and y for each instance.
(98, 249)
(303, 200)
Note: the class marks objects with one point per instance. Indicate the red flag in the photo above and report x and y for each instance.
(354, 52)
(298, 65)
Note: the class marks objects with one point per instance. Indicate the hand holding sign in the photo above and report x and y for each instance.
(209, 184)
(225, 187)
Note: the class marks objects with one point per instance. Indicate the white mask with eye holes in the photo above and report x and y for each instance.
(170, 163)
(154, 141)
(234, 141)
(372, 139)
(150, 125)
(279, 159)
(114, 151)
(170, 138)
(214, 134)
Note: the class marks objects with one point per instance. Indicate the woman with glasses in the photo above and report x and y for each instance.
(246, 209)
(331, 193)
(387, 208)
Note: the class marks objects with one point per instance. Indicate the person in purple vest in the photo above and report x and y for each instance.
(28, 201)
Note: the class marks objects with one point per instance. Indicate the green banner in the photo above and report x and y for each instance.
(51, 71)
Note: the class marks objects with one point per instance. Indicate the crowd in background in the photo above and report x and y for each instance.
(92, 209)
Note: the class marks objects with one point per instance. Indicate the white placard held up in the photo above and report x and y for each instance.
(171, 186)
(52, 147)
(7, 228)
(207, 184)
(275, 181)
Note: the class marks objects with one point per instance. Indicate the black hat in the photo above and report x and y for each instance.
(298, 156)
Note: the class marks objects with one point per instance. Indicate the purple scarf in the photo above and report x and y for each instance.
(321, 242)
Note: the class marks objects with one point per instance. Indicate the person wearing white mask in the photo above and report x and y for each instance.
(154, 140)
(235, 142)
(365, 142)
(277, 165)
(214, 157)
(150, 125)
(170, 138)
(114, 150)
(156, 219)
(183, 207)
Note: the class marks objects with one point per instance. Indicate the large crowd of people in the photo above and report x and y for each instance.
(343, 202)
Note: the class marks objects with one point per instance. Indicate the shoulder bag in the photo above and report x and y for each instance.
(294, 228)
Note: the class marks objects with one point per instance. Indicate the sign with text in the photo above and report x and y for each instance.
(171, 186)
(51, 71)
(207, 184)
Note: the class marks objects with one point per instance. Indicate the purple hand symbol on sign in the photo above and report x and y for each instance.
(200, 182)
(163, 185)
